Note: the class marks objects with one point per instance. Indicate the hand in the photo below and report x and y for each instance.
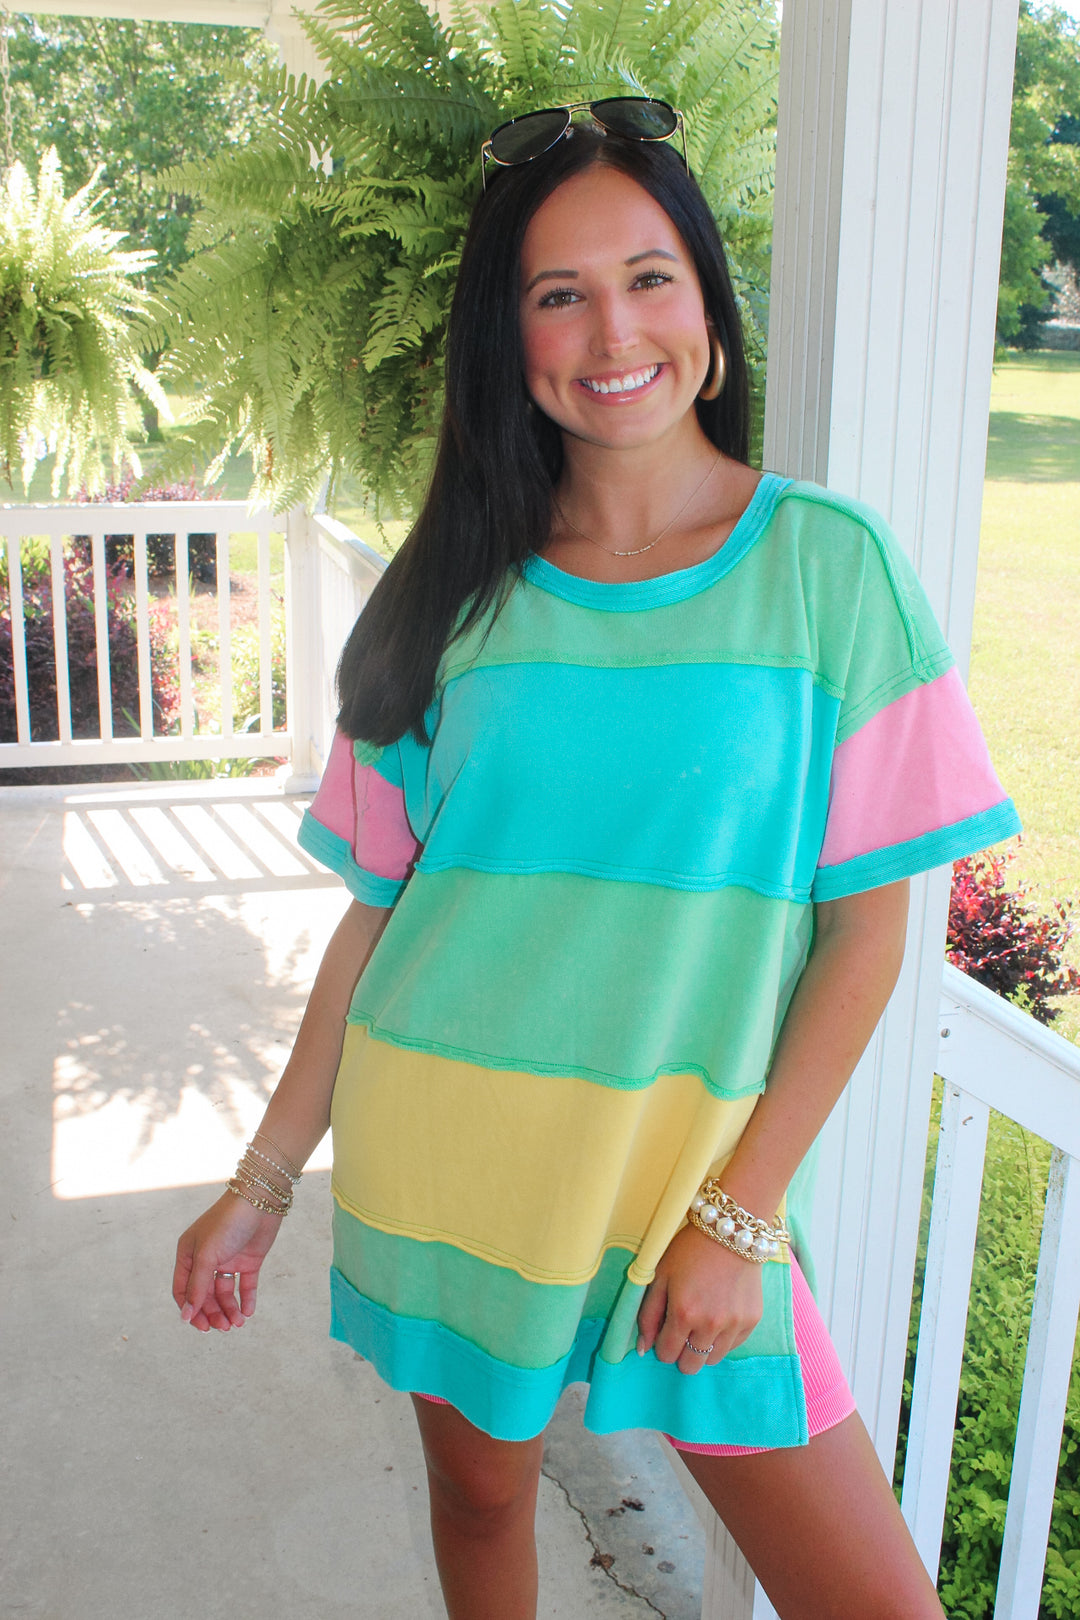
(231, 1236)
(701, 1292)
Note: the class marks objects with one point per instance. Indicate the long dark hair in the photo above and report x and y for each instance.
(498, 458)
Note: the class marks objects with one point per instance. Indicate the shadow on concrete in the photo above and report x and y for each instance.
(159, 949)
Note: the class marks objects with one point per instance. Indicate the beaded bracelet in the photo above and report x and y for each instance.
(262, 1204)
(250, 1180)
(265, 1157)
(721, 1218)
(294, 1169)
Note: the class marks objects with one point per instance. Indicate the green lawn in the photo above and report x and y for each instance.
(1025, 665)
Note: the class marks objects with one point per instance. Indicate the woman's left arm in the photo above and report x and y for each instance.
(702, 1291)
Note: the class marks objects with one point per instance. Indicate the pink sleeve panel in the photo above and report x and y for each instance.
(920, 764)
(361, 807)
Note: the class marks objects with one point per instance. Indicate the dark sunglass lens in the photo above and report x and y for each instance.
(527, 137)
(636, 118)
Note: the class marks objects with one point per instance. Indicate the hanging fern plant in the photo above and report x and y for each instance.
(69, 353)
(311, 326)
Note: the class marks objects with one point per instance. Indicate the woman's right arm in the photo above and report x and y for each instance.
(233, 1235)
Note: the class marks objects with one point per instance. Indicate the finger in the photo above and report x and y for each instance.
(671, 1340)
(225, 1297)
(249, 1287)
(691, 1361)
(200, 1285)
(181, 1273)
(215, 1315)
(651, 1316)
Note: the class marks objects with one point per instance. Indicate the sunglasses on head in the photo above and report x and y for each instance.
(636, 118)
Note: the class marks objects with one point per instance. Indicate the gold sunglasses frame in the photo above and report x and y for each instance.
(570, 108)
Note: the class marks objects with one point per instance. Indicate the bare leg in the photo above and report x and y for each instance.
(821, 1529)
(483, 1515)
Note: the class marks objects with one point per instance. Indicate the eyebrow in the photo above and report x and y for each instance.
(571, 275)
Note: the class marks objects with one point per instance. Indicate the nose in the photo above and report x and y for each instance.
(613, 333)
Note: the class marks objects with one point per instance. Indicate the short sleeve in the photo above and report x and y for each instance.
(912, 786)
(357, 824)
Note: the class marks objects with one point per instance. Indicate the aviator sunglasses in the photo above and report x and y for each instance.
(637, 118)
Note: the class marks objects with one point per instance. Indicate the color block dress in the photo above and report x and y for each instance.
(602, 871)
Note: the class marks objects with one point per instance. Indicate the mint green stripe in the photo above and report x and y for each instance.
(936, 848)
(633, 596)
(756, 1401)
(644, 983)
(331, 850)
(825, 588)
(527, 1323)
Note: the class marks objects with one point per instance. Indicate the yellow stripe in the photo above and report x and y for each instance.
(540, 1173)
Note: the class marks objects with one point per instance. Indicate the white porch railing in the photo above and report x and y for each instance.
(328, 576)
(992, 1055)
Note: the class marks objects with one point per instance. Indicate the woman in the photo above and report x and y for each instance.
(638, 750)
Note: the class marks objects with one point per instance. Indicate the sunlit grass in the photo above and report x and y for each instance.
(1025, 666)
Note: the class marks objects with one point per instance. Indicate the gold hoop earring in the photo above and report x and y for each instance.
(716, 377)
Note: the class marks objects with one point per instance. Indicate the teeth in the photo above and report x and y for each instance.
(623, 385)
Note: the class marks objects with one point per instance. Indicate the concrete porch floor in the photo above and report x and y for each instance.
(159, 942)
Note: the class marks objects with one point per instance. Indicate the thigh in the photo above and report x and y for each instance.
(484, 1472)
(821, 1528)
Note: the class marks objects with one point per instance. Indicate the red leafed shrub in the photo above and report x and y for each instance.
(997, 938)
(82, 656)
(160, 556)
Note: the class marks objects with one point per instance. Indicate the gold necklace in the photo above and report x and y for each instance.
(639, 549)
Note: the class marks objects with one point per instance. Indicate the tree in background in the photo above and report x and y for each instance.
(311, 329)
(138, 98)
(1042, 197)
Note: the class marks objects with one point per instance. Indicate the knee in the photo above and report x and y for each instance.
(483, 1492)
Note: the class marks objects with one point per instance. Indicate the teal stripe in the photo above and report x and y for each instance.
(528, 1323)
(757, 1401)
(935, 848)
(331, 850)
(487, 970)
(634, 595)
(712, 775)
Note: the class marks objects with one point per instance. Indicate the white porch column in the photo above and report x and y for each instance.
(304, 656)
(893, 138)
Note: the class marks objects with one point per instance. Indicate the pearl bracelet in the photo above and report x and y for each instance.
(720, 1217)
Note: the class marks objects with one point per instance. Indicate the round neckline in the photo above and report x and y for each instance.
(662, 589)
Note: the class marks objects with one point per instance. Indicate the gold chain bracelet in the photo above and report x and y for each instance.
(721, 1218)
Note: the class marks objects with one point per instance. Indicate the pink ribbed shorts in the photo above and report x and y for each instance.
(828, 1398)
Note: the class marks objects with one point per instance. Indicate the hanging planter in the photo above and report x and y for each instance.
(70, 342)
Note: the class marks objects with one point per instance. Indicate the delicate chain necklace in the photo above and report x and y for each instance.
(668, 526)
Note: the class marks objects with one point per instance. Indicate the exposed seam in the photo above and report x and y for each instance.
(598, 1561)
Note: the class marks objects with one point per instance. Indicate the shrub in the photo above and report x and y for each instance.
(160, 556)
(999, 1317)
(82, 655)
(244, 652)
(997, 938)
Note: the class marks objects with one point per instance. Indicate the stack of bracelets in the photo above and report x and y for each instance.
(253, 1182)
(720, 1217)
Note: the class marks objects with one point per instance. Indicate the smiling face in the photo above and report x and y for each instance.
(612, 316)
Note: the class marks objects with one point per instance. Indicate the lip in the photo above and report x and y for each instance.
(620, 398)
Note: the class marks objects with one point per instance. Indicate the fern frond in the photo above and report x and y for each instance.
(71, 309)
(401, 35)
(310, 329)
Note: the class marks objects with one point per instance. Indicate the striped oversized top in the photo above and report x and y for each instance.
(603, 870)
